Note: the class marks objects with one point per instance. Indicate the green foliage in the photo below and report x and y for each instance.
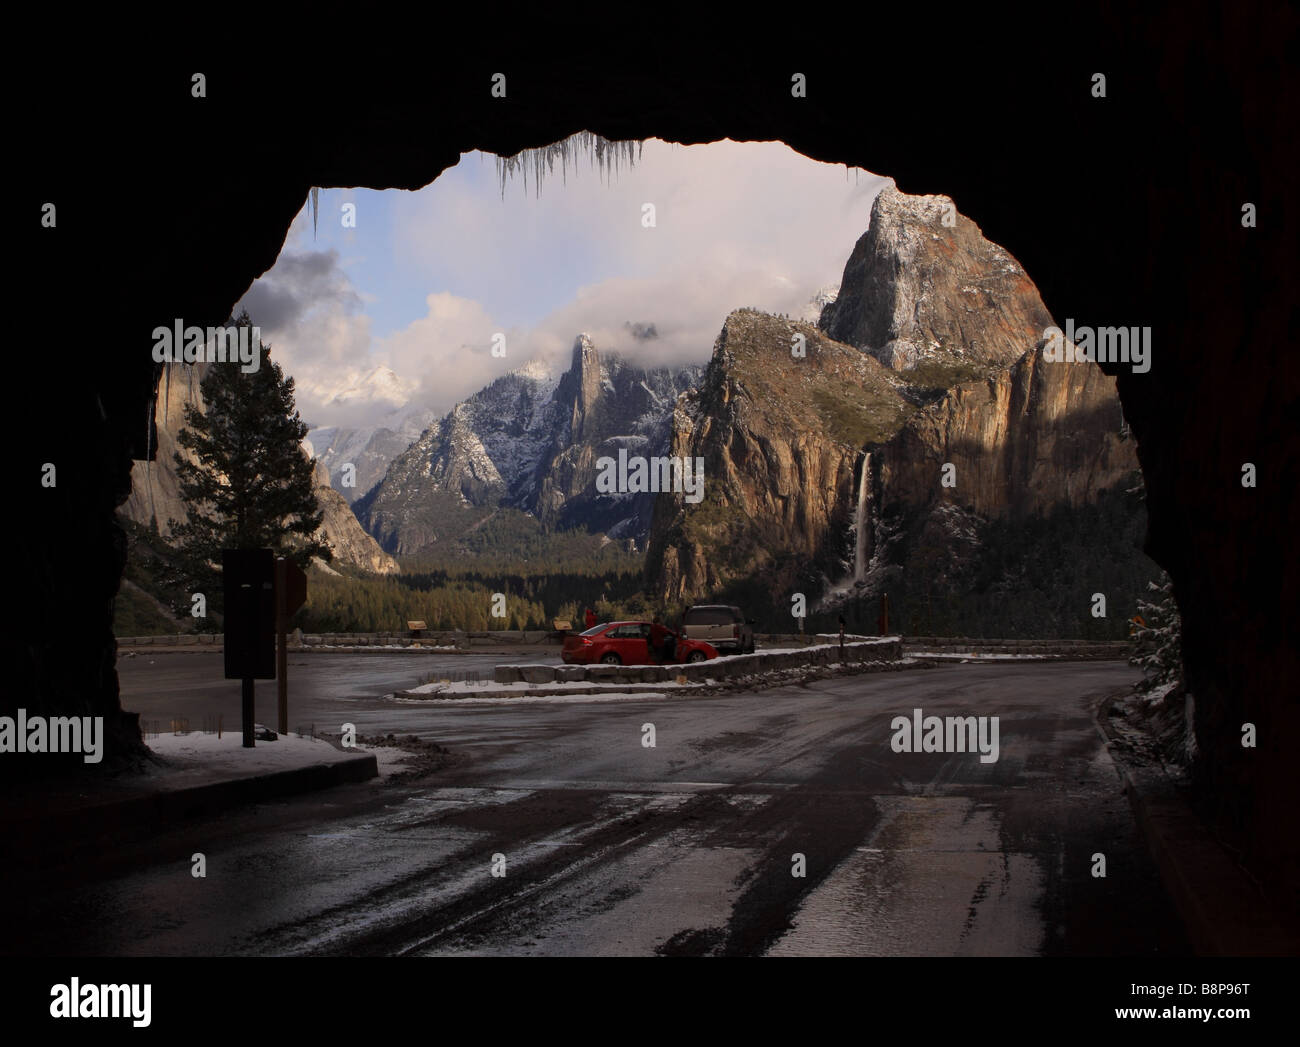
(508, 541)
(372, 604)
(448, 600)
(940, 375)
(1032, 577)
(1029, 577)
(251, 488)
(156, 568)
(721, 526)
(134, 614)
(853, 419)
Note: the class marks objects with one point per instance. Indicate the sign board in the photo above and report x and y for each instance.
(290, 594)
(293, 580)
(248, 580)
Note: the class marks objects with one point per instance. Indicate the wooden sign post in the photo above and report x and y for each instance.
(290, 594)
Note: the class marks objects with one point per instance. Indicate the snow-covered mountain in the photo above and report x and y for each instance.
(369, 449)
(812, 311)
(377, 390)
(529, 441)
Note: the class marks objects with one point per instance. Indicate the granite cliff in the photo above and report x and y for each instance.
(155, 491)
(922, 413)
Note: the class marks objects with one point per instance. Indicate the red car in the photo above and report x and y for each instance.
(628, 643)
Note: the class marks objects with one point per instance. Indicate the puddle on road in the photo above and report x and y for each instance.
(931, 881)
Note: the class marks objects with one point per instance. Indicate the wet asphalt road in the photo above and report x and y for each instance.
(324, 689)
(610, 847)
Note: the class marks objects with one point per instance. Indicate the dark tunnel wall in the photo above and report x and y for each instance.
(1125, 210)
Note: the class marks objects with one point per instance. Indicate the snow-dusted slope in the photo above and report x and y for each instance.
(369, 450)
(528, 441)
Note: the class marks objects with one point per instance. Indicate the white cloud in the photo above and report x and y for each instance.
(737, 224)
(447, 352)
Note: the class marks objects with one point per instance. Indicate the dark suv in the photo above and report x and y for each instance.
(722, 626)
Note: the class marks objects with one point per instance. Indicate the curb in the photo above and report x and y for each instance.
(541, 691)
(712, 685)
(1220, 906)
(318, 649)
(37, 844)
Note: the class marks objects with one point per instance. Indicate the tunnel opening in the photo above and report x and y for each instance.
(1240, 651)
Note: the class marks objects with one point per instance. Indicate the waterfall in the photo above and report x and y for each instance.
(862, 548)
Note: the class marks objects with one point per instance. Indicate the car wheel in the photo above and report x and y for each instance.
(697, 656)
(611, 659)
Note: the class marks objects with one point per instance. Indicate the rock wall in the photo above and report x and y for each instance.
(155, 488)
(1036, 435)
(946, 368)
(924, 284)
(780, 437)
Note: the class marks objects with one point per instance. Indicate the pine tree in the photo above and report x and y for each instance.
(251, 487)
(1159, 644)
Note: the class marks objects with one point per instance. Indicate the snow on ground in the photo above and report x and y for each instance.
(569, 687)
(197, 753)
(1159, 693)
(391, 760)
(576, 690)
(380, 647)
(969, 655)
(515, 698)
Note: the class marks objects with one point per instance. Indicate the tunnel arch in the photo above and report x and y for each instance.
(1123, 213)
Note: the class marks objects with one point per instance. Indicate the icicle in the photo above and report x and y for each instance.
(315, 209)
(605, 155)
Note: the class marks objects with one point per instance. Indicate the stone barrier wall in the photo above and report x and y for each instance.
(487, 640)
(448, 638)
(883, 650)
(1083, 650)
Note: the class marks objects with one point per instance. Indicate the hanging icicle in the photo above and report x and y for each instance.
(315, 209)
(605, 154)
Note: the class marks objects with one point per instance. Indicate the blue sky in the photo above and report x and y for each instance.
(426, 278)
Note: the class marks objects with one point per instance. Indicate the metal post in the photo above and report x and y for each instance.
(281, 654)
(248, 712)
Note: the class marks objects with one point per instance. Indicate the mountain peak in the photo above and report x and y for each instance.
(584, 353)
(922, 284)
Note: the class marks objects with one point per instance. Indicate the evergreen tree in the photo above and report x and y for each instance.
(1159, 643)
(252, 487)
